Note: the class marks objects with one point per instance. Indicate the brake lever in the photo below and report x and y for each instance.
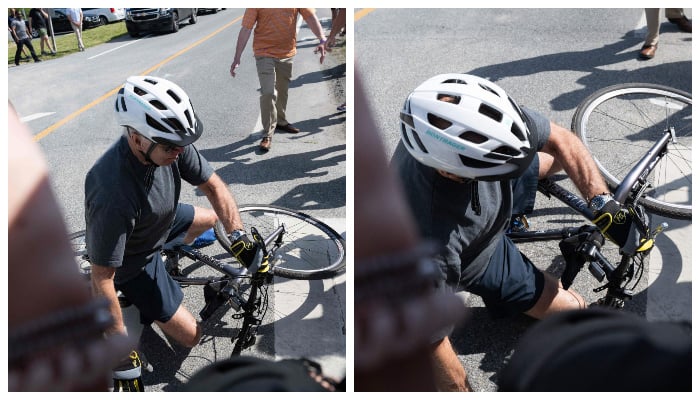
(262, 257)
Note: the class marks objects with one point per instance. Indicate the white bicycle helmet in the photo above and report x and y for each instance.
(159, 110)
(478, 133)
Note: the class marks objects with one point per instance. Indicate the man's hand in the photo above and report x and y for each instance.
(234, 65)
(321, 48)
(244, 250)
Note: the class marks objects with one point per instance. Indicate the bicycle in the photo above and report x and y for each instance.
(659, 128)
(295, 246)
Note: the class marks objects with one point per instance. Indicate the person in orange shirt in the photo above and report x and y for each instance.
(274, 48)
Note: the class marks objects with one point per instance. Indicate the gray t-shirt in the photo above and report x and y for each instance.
(130, 207)
(20, 29)
(446, 211)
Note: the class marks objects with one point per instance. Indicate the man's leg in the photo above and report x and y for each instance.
(266, 76)
(653, 16)
(79, 36)
(555, 299)
(18, 52)
(182, 327)
(283, 75)
(204, 219)
(450, 375)
(31, 49)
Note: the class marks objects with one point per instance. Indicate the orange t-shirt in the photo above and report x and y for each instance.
(275, 33)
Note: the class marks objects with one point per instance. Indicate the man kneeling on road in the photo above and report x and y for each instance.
(469, 158)
(132, 206)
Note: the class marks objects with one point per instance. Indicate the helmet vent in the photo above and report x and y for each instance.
(157, 104)
(151, 81)
(488, 89)
(473, 137)
(174, 96)
(175, 124)
(520, 112)
(419, 142)
(155, 124)
(438, 122)
(472, 163)
(405, 137)
(517, 132)
(448, 98)
(490, 112)
(505, 151)
(189, 118)
(139, 91)
(407, 119)
(459, 81)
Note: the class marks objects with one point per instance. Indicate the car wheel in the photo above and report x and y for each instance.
(103, 20)
(176, 24)
(193, 17)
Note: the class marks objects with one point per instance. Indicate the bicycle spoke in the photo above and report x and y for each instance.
(309, 250)
(621, 123)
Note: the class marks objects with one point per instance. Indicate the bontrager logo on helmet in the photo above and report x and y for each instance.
(468, 126)
(445, 140)
(159, 110)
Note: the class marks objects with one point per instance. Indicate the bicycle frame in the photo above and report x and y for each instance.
(628, 193)
(254, 306)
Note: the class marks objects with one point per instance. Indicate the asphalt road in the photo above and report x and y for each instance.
(68, 104)
(548, 60)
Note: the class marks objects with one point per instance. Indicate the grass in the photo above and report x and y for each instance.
(68, 44)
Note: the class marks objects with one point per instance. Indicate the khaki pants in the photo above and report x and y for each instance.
(654, 24)
(274, 75)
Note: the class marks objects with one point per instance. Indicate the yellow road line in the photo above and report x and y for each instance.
(363, 12)
(112, 92)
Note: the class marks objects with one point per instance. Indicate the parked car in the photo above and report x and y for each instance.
(61, 24)
(139, 20)
(201, 11)
(106, 15)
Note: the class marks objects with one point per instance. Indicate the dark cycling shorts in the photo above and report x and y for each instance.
(511, 284)
(153, 291)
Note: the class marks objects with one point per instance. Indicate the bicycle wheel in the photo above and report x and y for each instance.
(310, 248)
(620, 123)
(77, 241)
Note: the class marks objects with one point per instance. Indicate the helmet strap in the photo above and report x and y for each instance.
(147, 154)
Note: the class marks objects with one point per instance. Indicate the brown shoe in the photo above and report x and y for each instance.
(287, 128)
(683, 23)
(648, 52)
(266, 143)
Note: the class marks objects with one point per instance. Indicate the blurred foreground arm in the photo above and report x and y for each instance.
(54, 324)
(392, 326)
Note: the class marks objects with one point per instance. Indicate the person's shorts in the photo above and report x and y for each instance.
(510, 284)
(153, 291)
(42, 32)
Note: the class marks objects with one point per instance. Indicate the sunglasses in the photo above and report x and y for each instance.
(169, 148)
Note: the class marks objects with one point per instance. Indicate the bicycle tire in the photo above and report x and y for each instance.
(619, 124)
(310, 250)
(77, 241)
